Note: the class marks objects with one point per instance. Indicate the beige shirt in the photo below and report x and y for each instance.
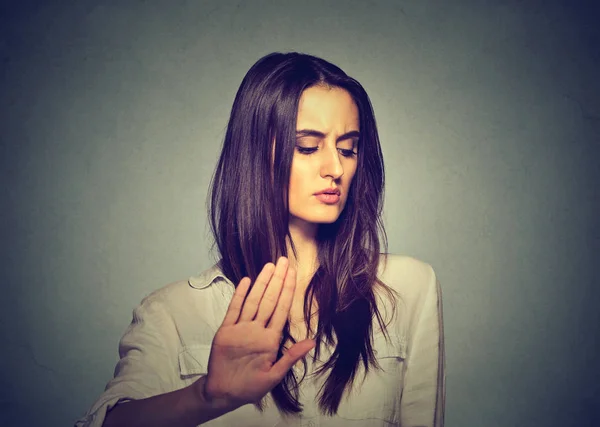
(167, 345)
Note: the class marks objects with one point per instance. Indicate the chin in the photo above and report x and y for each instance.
(331, 221)
(318, 219)
(318, 214)
(322, 219)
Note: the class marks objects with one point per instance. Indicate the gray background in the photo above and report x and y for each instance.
(112, 116)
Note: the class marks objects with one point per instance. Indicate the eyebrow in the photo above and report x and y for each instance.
(316, 133)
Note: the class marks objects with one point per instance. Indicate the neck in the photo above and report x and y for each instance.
(306, 263)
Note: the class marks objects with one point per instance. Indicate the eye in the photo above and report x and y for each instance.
(310, 150)
(347, 153)
(304, 150)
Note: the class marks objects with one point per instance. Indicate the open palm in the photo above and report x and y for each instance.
(243, 365)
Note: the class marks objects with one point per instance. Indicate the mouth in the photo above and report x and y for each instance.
(334, 191)
(328, 198)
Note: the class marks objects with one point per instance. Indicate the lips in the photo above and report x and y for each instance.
(328, 198)
(335, 191)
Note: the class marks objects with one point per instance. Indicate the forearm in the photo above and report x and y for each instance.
(186, 407)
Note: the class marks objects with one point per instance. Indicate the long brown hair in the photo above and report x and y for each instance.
(248, 214)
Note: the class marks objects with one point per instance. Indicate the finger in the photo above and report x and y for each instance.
(290, 357)
(271, 296)
(237, 302)
(253, 298)
(282, 310)
(258, 288)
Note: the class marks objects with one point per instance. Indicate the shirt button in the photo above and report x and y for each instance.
(311, 424)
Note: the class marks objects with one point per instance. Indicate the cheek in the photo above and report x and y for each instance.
(300, 174)
(296, 181)
(350, 172)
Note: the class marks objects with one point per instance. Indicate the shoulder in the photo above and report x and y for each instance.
(201, 299)
(415, 284)
(212, 280)
(407, 275)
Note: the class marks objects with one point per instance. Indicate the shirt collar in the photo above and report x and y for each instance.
(207, 277)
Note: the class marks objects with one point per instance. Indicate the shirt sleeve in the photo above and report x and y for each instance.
(146, 365)
(423, 397)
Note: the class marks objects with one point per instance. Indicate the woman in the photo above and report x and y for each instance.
(302, 321)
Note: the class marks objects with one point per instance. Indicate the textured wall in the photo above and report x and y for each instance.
(112, 115)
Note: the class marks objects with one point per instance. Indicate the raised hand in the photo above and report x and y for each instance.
(243, 365)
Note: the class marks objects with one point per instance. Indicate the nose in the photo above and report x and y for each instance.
(331, 164)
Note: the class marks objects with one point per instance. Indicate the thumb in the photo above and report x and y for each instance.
(290, 357)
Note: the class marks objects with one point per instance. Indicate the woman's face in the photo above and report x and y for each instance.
(327, 135)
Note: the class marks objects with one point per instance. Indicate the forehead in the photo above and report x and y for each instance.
(327, 108)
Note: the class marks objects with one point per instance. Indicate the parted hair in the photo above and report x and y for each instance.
(248, 215)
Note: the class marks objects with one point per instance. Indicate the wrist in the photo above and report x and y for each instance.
(206, 399)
